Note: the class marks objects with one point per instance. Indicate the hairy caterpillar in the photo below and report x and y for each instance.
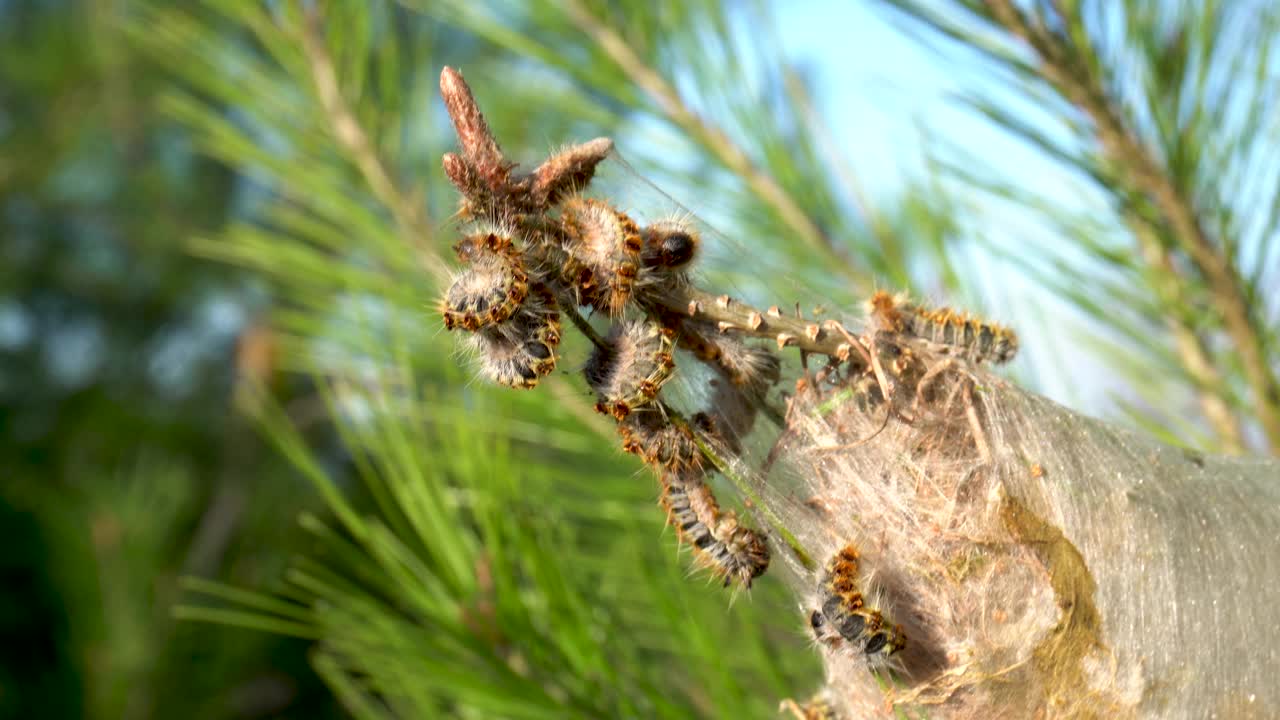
(627, 371)
(663, 445)
(668, 250)
(491, 289)
(522, 350)
(732, 551)
(669, 244)
(971, 337)
(751, 367)
(844, 620)
(604, 246)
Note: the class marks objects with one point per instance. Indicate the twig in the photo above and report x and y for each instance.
(584, 327)
(727, 314)
(571, 400)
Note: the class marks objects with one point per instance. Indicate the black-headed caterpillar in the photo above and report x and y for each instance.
(669, 244)
(668, 249)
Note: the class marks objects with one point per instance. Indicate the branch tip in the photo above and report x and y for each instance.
(478, 144)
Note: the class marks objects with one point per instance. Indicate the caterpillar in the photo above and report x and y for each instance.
(491, 289)
(746, 374)
(844, 620)
(627, 371)
(751, 367)
(661, 444)
(669, 244)
(730, 550)
(604, 247)
(522, 350)
(969, 336)
(668, 249)
(867, 395)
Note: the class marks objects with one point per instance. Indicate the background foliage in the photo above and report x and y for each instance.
(224, 226)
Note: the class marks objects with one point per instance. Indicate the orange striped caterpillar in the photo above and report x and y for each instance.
(971, 337)
(627, 371)
(491, 289)
(732, 551)
(604, 247)
(522, 350)
(844, 620)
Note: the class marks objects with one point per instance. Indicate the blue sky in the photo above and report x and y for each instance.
(884, 94)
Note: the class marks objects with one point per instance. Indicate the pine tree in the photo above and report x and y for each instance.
(484, 567)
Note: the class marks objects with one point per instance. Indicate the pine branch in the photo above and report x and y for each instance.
(409, 212)
(1062, 68)
(1189, 344)
(941, 482)
(532, 256)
